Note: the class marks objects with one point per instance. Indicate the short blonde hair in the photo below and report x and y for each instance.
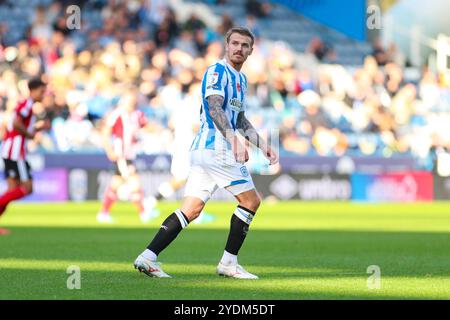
(242, 31)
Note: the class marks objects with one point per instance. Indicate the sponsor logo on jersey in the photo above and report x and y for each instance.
(236, 104)
(215, 87)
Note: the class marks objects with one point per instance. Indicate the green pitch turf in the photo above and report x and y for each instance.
(299, 250)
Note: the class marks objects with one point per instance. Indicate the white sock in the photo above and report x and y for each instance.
(149, 254)
(228, 259)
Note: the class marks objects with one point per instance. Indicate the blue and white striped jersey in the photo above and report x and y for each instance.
(223, 80)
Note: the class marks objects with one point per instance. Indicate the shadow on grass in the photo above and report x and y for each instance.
(278, 256)
(279, 248)
(101, 285)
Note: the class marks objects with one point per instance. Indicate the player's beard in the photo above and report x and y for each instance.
(237, 59)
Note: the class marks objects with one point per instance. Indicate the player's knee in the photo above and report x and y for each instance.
(193, 213)
(192, 210)
(252, 203)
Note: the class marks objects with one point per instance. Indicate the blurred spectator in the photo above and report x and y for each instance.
(54, 11)
(226, 24)
(165, 33)
(3, 30)
(193, 23)
(379, 52)
(41, 28)
(252, 24)
(217, 2)
(314, 117)
(157, 10)
(186, 43)
(396, 56)
(172, 22)
(323, 109)
(200, 41)
(321, 50)
(257, 8)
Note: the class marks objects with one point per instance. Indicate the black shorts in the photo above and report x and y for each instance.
(19, 170)
(124, 169)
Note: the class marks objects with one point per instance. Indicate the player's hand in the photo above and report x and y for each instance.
(42, 125)
(240, 152)
(112, 157)
(31, 134)
(272, 156)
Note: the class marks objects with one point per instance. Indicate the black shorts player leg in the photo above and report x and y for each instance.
(18, 170)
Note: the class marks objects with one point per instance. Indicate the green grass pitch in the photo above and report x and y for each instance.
(299, 250)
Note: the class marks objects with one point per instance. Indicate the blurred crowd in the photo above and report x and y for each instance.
(319, 109)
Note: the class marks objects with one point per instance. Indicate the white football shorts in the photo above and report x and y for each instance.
(211, 169)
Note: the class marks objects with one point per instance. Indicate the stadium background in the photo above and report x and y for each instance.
(362, 114)
(341, 105)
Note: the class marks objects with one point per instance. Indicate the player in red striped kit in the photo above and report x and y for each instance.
(119, 140)
(21, 127)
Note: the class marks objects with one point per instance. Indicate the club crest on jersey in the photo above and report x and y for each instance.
(238, 87)
(213, 78)
(244, 171)
(235, 104)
